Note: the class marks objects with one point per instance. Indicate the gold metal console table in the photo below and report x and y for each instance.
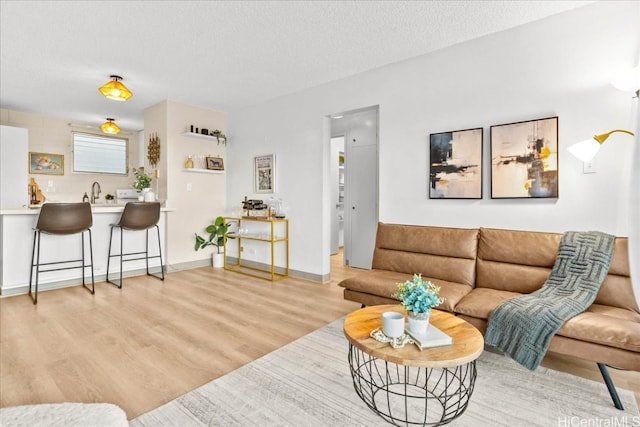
(272, 232)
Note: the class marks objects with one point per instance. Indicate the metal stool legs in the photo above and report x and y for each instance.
(36, 254)
(146, 256)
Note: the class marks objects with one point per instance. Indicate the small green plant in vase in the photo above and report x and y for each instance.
(142, 181)
(418, 297)
(217, 232)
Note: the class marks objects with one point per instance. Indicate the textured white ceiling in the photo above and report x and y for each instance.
(220, 54)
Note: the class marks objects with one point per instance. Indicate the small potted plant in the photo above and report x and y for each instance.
(217, 232)
(418, 297)
(142, 181)
(109, 198)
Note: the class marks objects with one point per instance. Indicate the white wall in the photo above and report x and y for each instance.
(53, 135)
(557, 66)
(198, 198)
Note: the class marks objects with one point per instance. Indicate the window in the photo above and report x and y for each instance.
(101, 154)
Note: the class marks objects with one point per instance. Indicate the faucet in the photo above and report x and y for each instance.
(95, 195)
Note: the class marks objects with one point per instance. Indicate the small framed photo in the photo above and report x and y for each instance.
(215, 163)
(524, 159)
(46, 163)
(455, 164)
(264, 173)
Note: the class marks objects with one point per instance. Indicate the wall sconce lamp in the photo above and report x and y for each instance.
(586, 150)
(110, 127)
(115, 90)
(628, 81)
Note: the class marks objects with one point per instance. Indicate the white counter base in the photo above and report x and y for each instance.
(16, 234)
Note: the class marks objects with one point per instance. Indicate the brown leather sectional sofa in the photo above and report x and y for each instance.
(478, 269)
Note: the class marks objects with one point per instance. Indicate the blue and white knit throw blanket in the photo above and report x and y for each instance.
(523, 327)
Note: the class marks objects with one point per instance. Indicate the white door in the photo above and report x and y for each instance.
(361, 189)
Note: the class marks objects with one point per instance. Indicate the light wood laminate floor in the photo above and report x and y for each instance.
(151, 341)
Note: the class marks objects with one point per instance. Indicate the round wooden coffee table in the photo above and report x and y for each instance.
(409, 386)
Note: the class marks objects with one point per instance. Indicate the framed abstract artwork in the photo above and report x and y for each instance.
(524, 159)
(455, 164)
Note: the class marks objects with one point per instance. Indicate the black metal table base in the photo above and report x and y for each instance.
(411, 396)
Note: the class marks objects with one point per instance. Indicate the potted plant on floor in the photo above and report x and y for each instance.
(418, 297)
(217, 232)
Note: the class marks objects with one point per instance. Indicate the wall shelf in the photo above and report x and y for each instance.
(196, 170)
(201, 136)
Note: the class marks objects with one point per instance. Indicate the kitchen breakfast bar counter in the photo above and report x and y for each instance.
(16, 234)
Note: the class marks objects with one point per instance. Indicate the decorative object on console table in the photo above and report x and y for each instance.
(418, 297)
(254, 208)
(217, 233)
(524, 159)
(46, 163)
(264, 173)
(455, 164)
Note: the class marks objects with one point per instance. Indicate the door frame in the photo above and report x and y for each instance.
(330, 131)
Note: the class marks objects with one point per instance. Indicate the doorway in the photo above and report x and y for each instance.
(359, 132)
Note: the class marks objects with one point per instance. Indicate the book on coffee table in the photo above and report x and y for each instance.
(434, 337)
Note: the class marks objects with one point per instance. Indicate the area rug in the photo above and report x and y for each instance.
(307, 383)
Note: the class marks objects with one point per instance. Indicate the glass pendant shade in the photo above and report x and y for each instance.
(586, 150)
(115, 90)
(629, 81)
(110, 127)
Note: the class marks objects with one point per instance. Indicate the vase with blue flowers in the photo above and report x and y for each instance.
(418, 297)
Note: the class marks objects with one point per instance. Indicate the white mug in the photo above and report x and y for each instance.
(392, 324)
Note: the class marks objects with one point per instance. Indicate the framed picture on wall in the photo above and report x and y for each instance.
(264, 173)
(215, 163)
(455, 164)
(46, 163)
(524, 159)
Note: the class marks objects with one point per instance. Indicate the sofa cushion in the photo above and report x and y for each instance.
(520, 261)
(599, 324)
(610, 326)
(482, 301)
(384, 283)
(443, 253)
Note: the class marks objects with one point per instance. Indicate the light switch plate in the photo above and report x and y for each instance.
(589, 167)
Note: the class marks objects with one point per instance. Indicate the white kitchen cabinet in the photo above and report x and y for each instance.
(14, 177)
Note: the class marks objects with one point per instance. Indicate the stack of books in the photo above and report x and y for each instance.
(434, 337)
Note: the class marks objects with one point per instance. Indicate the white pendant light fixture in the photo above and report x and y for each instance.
(110, 127)
(115, 90)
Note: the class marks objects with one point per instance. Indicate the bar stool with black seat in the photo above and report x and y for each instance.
(137, 216)
(61, 219)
